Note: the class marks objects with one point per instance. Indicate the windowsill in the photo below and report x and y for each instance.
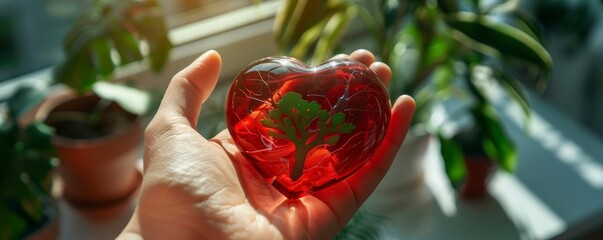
(240, 36)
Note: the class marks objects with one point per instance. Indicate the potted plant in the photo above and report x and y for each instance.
(467, 155)
(98, 128)
(437, 51)
(26, 173)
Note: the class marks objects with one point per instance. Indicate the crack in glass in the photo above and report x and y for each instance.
(355, 100)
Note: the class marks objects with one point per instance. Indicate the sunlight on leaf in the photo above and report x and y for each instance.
(495, 140)
(515, 90)
(454, 163)
(131, 99)
(507, 40)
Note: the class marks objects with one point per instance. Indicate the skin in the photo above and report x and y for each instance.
(198, 188)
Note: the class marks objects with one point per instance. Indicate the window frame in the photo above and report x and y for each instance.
(248, 30)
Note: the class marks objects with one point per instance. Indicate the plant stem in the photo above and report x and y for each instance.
(98, 111)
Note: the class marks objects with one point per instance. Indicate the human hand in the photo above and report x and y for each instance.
(195, 188)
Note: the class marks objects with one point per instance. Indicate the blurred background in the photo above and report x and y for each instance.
(559, 174)
(31, 32)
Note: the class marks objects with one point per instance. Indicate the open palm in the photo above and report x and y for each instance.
(195, 188)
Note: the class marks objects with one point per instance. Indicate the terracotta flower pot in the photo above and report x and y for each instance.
(479, 170)
(98, 170)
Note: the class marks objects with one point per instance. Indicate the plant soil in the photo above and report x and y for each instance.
(89, 117)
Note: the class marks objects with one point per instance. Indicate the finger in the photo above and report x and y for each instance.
(346, 197)
(383, 71)
(364, 56)
(367, 58)
(369, 176)
(190, 88)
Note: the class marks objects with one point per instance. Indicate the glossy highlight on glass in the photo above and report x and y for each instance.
(306, 128)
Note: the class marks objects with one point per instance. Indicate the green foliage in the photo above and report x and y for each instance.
(495, 141)
(309, 26)
(452, 153)
(505, 39)
(112, 26)
(514, 89)
(28, 159)
(109, 35)
(434, 47)
(292, 116)
(137, 102)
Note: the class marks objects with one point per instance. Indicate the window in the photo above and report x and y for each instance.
(31, 32)
(181, 12)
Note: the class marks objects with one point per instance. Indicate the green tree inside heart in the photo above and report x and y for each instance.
(291, 118)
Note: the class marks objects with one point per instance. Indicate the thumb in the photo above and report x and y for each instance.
(190, 88)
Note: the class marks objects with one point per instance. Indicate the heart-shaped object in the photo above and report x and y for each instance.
(306, 128)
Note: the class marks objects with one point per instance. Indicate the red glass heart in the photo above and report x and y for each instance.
(306, 128)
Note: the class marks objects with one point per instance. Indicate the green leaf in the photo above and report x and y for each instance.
(473, 89)
(79, 32)
(282, 23)
(515, 90)
(528, 24)
(497, 144)
(438, 50)
(338, 124)
(268, 123)
(9, 135)
(332, 33)
(475, 3)
(107, 26)
(332, 140)
(160, 48)
(153, 29)
(346, 128)
(501, 7)
(507, 40)
(37, 155)
(448, 6)
(23, 163)
(25, 201)
(13, 226)
(304, 25)
(301, 48)
(77, 73)
(295, 18)
(290, 102)
(100, 52)
(443, 77)
(131, 99)
(454, 163)
(38, 136)
(337, 119)
(126, 45)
